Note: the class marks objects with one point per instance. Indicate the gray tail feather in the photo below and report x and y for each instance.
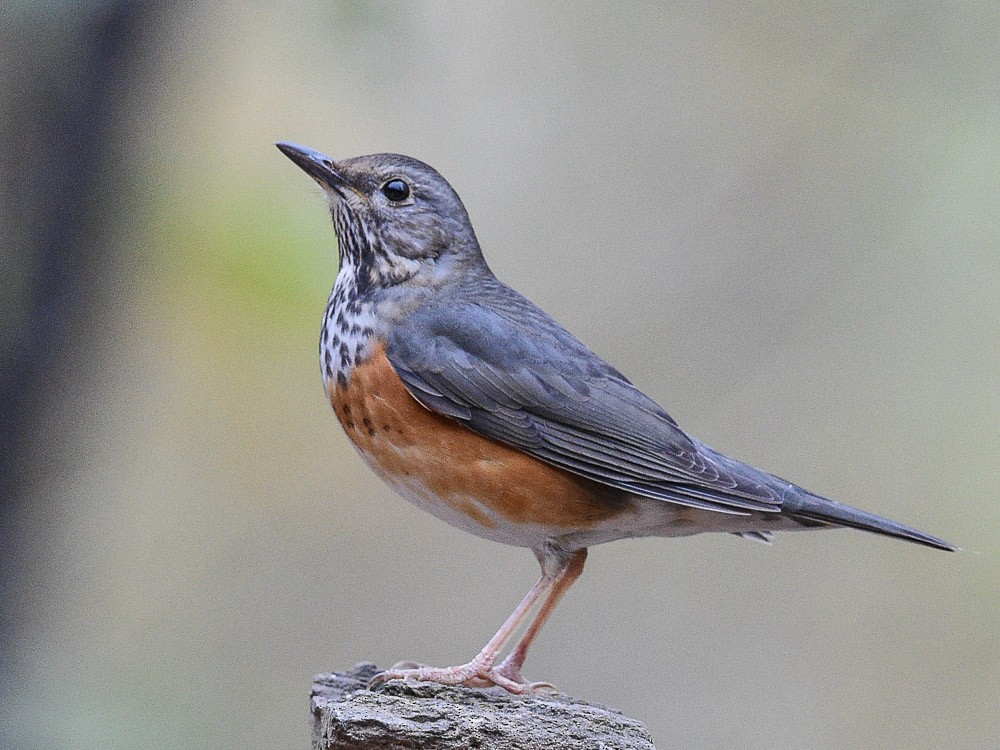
(815, 508)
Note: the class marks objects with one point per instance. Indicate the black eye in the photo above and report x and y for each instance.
(396, 190)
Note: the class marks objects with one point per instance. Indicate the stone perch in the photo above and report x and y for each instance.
(428, 716)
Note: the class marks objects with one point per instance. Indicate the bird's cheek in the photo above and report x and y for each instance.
(410, 244)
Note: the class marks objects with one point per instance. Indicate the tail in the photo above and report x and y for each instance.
(810, 507)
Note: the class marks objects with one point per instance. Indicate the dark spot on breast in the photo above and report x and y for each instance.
(329, 371)
(341, 380)
(347, 409)
(367, 422)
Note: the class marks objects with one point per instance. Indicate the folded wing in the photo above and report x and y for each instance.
(513, 374)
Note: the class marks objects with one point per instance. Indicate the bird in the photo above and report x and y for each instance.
(477, 406)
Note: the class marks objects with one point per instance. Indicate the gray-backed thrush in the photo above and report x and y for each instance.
(478, 407)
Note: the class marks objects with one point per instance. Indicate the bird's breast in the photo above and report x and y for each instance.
(466, 479)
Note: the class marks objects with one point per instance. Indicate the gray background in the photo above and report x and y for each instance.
(780, 220)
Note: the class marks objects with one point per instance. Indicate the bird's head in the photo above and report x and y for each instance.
(397, 220)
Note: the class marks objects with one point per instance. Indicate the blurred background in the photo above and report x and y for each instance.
(781, 221)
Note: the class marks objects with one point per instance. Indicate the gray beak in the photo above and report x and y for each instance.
(318, 166)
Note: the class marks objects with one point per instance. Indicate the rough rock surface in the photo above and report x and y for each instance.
(438, 717)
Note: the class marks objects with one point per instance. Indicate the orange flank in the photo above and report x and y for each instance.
(481, 478)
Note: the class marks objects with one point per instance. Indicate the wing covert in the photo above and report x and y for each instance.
(532, 385)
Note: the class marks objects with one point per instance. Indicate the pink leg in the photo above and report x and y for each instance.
(481, 672)
(511, 666)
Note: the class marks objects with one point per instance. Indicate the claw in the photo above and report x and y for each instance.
(517, 684)
(472, 674)
(511, 672)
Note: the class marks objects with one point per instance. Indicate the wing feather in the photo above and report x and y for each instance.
(510, 372)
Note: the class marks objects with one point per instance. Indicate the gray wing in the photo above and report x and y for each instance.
(512, 373)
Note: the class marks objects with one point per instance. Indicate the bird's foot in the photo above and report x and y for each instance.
(511, 670)
(474, 674)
